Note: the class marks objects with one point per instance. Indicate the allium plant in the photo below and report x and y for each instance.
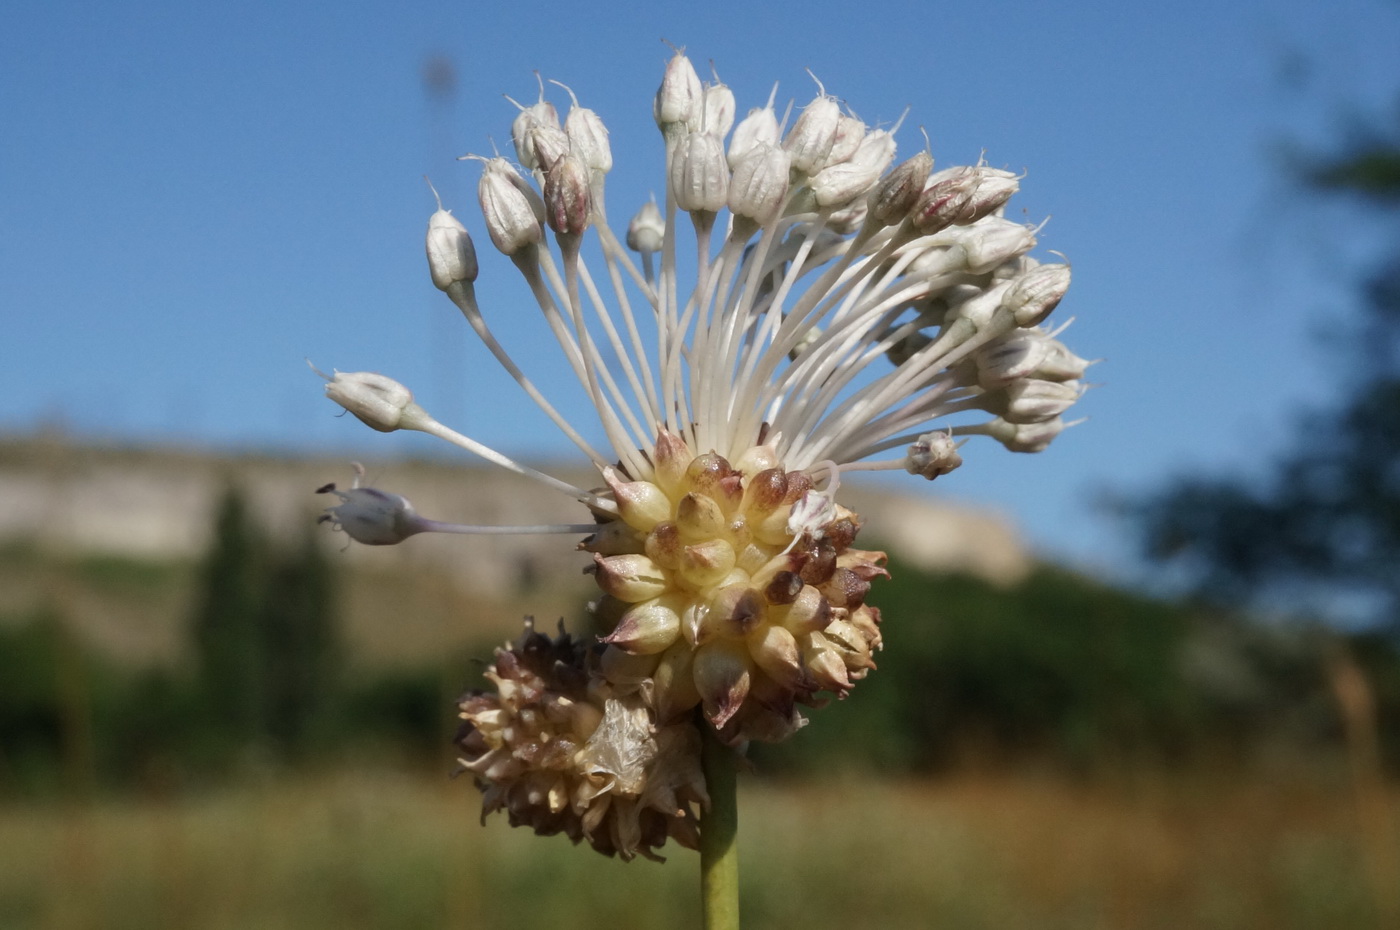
(799, 308)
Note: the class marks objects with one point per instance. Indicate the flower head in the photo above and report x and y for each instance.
(796, 309)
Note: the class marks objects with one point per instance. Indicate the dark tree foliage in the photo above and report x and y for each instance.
(1324, 527)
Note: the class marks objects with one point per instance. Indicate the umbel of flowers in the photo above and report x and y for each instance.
(797, 307)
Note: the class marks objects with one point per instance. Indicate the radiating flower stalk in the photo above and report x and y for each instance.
(797, 307)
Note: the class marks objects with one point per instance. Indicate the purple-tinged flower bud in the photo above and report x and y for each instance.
(512, 210)
(1031, 400)
(568, 203)
(761, 125)
(646, 628)
(371, 516)
(640, 504)
(451, 255)
(699, 174)
(647, 231)
(760, 183)
(1025, 437)
(850, 132)
(1037, 292)
(810, 139)
(588, 139)
(945, 197)
(994, 189)
(679, 99)
(934, 455)
(898, 192)
(841, 183)
(377, 401)
(717, 112)
(994, 241)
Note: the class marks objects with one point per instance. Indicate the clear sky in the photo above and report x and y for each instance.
(195, 197)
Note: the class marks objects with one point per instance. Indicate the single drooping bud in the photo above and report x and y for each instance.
(934, 455)
(840, 183)
(1031, 400)
(699, 174)
(761, 125)
(810, 139)
(759, 186)
(588, 139)
(1037, 292)
(898, 192)
(451, 255)
(680, 98)
(647, 231)
(512, 210)
(568, 203)
(994, 241)
(375, 400)
(371, 516)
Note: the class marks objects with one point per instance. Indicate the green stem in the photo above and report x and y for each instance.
(719, 830)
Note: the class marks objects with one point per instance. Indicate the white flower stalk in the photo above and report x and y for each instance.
(796, 308)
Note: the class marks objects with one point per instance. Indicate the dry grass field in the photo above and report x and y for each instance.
(393, 850)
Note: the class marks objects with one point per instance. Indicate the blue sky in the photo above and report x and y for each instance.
(195, 197)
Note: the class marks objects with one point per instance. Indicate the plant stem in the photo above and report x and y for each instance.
(719, 830)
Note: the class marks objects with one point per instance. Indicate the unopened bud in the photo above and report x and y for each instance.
(840, 183)
(850, 133)
(945, 197)
(451, 255)
(761, 125)
(549, 144)
(810, 140)
(934, 455)
(718, 110)
(895, 195)
(1025, 437)
(649, 627)
(1034, 401)
(1036, 293)
(630, 578)
(377, 401)
(679, 98)
(566, 196)
(647, 231)
(640, 504)
(699, 174)
(993, 241)
(511, 208)
(371, 516)
(536, 115)
(994, 188)
(760, 183)
(588, 139)
(1060, 364)
(1011, 358)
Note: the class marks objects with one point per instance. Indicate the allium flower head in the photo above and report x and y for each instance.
(795, 305)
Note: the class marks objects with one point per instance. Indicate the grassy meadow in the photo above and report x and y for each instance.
(381, 849)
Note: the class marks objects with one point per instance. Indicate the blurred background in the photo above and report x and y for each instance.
(1149, 678)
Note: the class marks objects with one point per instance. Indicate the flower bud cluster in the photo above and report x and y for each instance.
(560, 751)
(715, 596)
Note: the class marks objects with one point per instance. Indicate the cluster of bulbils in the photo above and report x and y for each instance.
(732, 593)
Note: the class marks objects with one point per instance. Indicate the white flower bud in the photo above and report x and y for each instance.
(549, 144)
(841, 183)
(850, 132)
(761, 125)
(812, 136)
(679, 99)
(1060, 364)
(1031, 400)
(647, 231)
(512, 210)
(1025, 437)
(1013, 357)
(536, 115)
(760, 183)
(717, 115)
(1037, 292)
(588, 139)
(934, 455)
(994, 189)
(371, 516)
(699, 174)
(451, 255)
(377, 401)
(994, 241)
